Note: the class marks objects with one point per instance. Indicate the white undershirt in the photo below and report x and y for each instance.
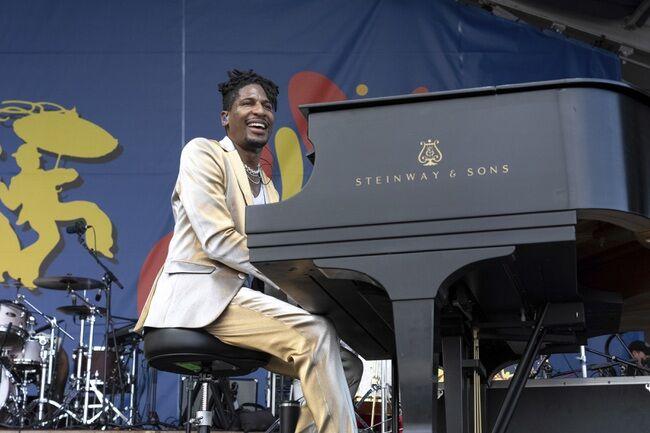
(261, 197)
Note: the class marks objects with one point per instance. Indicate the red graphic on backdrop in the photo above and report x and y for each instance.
(152, 264)
(306, 88)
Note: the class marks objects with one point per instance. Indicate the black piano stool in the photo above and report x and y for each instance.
(195, 352)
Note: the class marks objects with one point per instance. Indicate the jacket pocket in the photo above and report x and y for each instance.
(178, 267)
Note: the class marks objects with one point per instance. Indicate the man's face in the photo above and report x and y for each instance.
(249, 121)
(639, 356)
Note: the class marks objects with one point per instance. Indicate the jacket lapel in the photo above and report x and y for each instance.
(271, 192)
(242, 179)
(238, 166)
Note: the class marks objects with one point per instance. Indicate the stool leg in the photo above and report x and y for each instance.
(188, 409)
(204, 415)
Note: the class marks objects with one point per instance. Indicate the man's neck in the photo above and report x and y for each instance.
(249, 156)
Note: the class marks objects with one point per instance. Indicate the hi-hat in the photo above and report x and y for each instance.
(68, 282)
(79, 310)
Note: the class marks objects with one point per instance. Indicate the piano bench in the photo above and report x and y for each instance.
(195, 352)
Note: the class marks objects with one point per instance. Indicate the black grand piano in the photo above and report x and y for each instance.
(469, 229)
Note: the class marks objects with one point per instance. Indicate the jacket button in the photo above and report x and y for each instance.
(241, 276)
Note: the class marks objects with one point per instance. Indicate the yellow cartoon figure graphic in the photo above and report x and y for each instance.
(34, 191)
(9, 243)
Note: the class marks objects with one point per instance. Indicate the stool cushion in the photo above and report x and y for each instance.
(194, 351)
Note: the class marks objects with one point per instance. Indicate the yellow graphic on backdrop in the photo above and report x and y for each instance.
(287, 149)
(34, 191)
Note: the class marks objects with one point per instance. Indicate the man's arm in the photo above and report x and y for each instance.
(202, 192)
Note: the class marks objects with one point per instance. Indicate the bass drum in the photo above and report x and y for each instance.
(7, 396)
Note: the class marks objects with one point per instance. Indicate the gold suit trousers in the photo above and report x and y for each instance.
(302, 346)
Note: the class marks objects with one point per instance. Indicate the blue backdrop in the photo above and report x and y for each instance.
(147, 71)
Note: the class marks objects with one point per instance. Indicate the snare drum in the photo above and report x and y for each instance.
(13, 324)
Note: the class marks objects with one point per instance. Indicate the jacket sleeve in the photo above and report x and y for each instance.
(202, 192)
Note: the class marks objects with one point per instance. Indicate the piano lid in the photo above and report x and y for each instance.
(615, 86)
(543, 147)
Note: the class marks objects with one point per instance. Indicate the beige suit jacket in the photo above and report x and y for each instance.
(208, 259)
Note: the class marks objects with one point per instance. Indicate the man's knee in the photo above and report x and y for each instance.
(321, 330)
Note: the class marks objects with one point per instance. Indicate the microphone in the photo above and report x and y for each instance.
(79, 227)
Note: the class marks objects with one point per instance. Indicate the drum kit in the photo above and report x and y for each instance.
(34, 365)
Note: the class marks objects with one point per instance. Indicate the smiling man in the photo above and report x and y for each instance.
(206, 279)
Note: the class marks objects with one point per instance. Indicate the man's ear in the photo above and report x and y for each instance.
(224, 118)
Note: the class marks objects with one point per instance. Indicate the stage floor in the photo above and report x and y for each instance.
(113, 430)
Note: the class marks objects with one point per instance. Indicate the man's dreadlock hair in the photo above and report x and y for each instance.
(238, 79)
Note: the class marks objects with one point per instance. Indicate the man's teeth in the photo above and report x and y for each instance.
(257, 125)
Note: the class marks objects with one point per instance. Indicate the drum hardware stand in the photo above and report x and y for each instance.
(89, 357)
(384, 397)
(109, 278)
(380, 388)
(89, 383)
(106, 405)
(84, 381)
(583, 361)
(80, 347)
(46, 370)
(61, 411)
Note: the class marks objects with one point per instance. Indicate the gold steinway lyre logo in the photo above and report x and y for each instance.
(430, 154)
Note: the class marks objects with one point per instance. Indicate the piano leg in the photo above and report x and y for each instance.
(457, 407)
(417, 363)
(412, 281)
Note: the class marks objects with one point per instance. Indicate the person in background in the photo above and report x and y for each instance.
(639, 351)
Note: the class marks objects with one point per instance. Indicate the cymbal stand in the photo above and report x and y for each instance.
(46, 369)
(90, 385)
(89, 357)
(83, 373)
(108, 278)
(80, 346)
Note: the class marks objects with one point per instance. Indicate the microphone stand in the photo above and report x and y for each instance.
(108, 278)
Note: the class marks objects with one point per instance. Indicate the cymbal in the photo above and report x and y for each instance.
(68, 282)
(79, 310)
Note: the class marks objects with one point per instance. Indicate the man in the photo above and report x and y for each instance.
(202, 282)
(638, 349)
